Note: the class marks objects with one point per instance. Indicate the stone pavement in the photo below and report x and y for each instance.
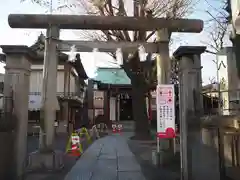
(108, 158)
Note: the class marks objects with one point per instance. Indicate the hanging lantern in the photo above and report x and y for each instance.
(119, 56)
(142, 53)
(72, 55)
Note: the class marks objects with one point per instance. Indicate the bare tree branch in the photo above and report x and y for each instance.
(141, 8)
(219, 26)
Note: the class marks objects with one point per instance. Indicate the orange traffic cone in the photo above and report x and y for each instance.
(75, 150)
(74, 147)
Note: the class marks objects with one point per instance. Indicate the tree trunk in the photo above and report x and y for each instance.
(140, 112)
(139, 90)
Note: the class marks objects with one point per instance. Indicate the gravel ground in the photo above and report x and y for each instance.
(143, 153)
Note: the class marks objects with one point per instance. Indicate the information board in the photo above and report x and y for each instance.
(165, 111)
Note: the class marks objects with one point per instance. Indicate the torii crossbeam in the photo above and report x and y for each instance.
(109, 46)
(36, 21)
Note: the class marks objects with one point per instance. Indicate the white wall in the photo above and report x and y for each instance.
(230, 75)
(36, 79)
(235, 6)
(223, 78)
(2, 77)
(112, 108)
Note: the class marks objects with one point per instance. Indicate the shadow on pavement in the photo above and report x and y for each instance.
(143, 153)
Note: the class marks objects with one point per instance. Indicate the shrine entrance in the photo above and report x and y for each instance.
(52, 160)
(125, 103)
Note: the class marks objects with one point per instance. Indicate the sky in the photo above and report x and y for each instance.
(10, 36)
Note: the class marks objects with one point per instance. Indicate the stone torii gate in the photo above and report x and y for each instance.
(53, 23)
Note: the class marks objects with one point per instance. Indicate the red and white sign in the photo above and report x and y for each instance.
(165, 111)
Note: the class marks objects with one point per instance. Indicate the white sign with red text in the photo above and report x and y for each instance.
(165, 111)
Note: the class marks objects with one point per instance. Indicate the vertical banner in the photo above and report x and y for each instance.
(165, 111)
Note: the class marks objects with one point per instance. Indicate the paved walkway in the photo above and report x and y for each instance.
(108, 158)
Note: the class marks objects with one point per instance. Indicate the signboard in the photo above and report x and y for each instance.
(165, 111)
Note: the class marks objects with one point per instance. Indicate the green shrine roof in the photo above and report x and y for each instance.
(116, 76)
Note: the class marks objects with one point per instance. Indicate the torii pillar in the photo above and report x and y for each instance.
(46, 157)
(164, 149)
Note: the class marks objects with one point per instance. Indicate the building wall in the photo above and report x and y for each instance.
(36, 79)
(229, 80)
(2, 77)
(98, 99)
(36, 82)
(235, 7)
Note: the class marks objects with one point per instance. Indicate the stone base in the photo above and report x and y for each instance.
(155, 158)
(50, 161)
(161, 158)
(165, 157)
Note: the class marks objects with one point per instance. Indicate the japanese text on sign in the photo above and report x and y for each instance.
(165, 111)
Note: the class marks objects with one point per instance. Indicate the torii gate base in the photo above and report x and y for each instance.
(46, 161)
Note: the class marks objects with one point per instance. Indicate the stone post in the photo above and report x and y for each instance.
(190, 103)
(190, 75)
(16, 85)
(197, 159)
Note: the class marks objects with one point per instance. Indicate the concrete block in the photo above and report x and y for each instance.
(45, 161)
